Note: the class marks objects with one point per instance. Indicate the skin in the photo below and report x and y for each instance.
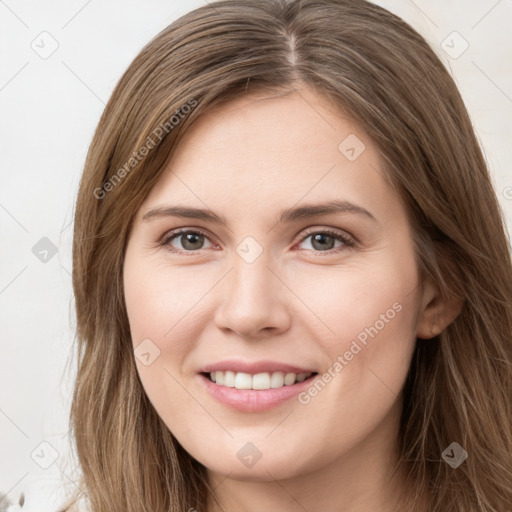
(297, 303)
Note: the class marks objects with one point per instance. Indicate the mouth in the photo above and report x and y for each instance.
(258, 381)
(257, 391)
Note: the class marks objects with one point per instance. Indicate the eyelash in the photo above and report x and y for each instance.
(347, 240)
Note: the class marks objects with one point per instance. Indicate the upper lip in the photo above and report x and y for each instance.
(253, 367)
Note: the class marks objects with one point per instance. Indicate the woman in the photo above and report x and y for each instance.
(292, 278)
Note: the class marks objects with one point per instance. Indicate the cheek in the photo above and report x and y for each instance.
(167, 310)
(163, 308)
(372, 314)
(363, 303)
(370, 310)
(162, 302)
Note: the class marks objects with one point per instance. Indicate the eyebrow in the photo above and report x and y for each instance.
(288, 215)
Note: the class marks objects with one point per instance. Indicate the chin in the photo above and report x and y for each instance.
(261, 472)
(242, 461)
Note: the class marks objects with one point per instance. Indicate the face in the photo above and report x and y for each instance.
(274, 258)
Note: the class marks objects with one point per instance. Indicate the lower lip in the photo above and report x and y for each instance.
(250, 400)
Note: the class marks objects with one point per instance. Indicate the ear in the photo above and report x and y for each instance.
(436, 312)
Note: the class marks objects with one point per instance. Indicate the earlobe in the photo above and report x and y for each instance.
(436, 312)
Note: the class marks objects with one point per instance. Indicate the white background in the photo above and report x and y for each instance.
(50, 108)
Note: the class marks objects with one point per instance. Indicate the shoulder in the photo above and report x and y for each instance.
(44, 495)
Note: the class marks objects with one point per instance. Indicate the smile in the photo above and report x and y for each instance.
(254, 387)
(258, 381)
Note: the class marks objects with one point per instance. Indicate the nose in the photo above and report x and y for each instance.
(253, 301)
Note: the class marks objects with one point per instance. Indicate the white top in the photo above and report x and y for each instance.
(45, 495)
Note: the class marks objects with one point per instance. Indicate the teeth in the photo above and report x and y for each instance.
(229, 379)
(289, 379)
(277, 380)
(261, 381)
(243, 380)
(265, 380)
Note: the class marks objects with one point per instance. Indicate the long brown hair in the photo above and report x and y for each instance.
(387, 78)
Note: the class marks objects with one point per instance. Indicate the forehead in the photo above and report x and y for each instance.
(273, 150)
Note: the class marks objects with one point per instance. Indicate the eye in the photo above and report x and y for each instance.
(325, 240)
(191, 240)
(188, 240)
